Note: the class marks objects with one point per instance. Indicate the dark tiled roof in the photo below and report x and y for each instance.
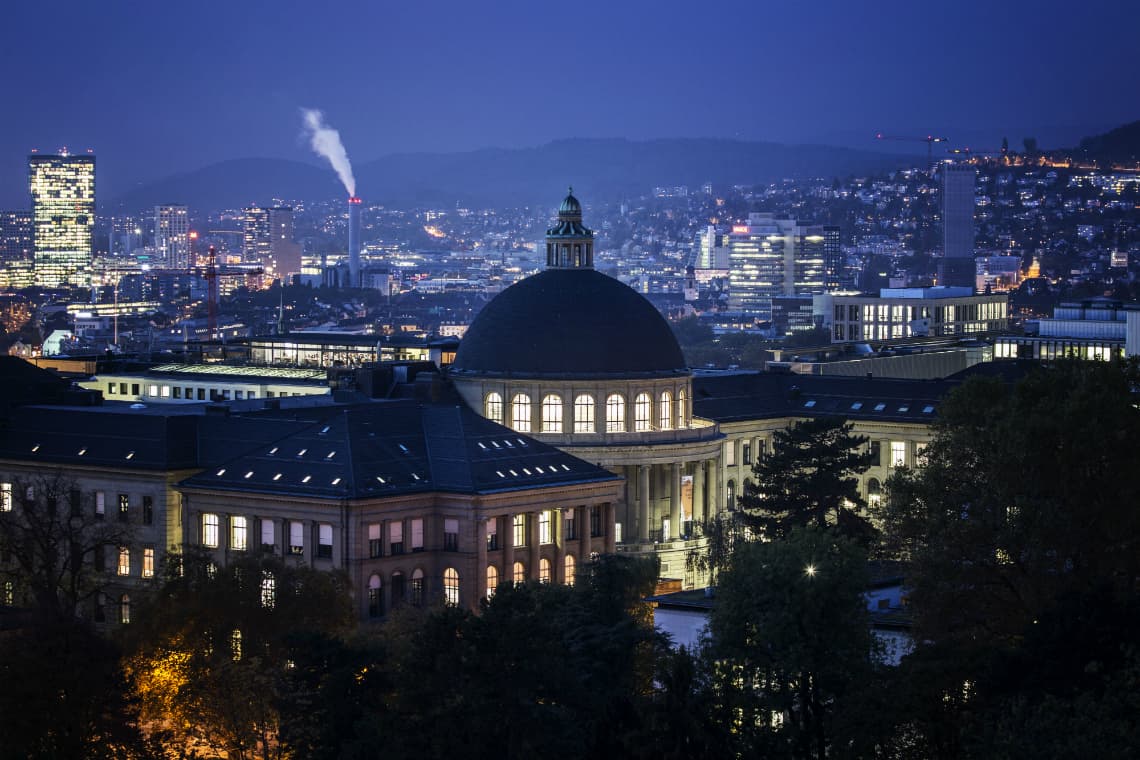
(397, 447)
(764, 395)
(569, 323)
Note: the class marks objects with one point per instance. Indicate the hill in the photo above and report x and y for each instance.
(1120, 144)
(600, 169)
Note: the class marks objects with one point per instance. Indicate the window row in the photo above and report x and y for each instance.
(121, 557)
(744, 451)
(641, 416)
(188, 393)
(519, 574)
(242, 529)
(75, 502)
(412, 530)
(413, 592)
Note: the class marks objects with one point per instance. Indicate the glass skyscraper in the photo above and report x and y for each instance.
(63, 216)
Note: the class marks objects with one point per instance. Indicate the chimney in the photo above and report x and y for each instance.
(354, 242)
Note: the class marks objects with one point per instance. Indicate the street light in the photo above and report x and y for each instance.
(809, 571)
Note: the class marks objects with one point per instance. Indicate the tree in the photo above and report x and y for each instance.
(721, 533)
(1027, 493)
(810, 478)
(212, 649)
(790, 641)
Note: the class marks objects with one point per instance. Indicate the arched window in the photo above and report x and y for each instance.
(268, 590)
(570, 569)
(642, 412)
(125, 609)
(730, 490)
(492, 580)
(552, 414)
(665, 412)
(520, 413)
(874, 493)
(398, 590)
(493, 407)
(681, 411)
(584, 414)
(519, 574)
(375, 605)
(451, 586)
(544, 570)
(615, 413)
(418, 587)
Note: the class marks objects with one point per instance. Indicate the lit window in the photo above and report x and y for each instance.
(898, 454)
(418, 587)
(5, 497)
(235, 644)
(874, 493)
(520, 413)
(451, 535)
(100, 505)
(375, 549)
(615, 413)
(267, 537)
(544, 570)
(375, 605)
(519, 575)
(324, 541)
(665, 413)
(148, 563)
(682, 420)
(268, 590)
(584, 414)
(451, 586)
(519, 523)
(124, 561)
(210, 531)
(124, 507)
(492, 580)
(544, 527)
(570, 569)
(125, 609)
(396, 537)
(296, 537)
(239, 533)
(493, 407)
(642, 412)
(552, 414)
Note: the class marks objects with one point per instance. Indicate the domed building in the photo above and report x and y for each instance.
(581, 361)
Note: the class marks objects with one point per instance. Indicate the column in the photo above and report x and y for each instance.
(582, 523)
(508, 536)
(532, 539)
(608, 512)
(558, 573)
(717, 500)
(480, 562)
(643, 502)
(674, 501)
(699, 511)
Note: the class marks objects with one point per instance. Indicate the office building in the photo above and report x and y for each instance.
(834, 263)
(711, 250)
(172, 236)
(899, 313)
(63, 216)
(770, 257)
(15, 236)
(268, 239)
(956, 269)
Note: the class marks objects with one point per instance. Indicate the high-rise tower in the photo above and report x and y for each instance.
(769, 258)
(63, 215)
(172, 236)
(957, 266)
(354, 204)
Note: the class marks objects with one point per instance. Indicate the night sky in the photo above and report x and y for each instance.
(160, 87)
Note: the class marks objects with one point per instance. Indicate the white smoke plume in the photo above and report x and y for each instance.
(326, 141)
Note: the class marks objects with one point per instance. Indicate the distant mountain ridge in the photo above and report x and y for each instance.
(1120, 144)
(601, 169)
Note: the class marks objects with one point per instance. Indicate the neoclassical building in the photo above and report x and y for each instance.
(582, 362)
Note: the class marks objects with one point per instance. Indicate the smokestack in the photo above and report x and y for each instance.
(354, 242)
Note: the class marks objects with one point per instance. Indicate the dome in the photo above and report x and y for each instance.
(570, 206)
(569, 323)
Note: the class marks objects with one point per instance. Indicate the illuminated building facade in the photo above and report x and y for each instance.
(172, 236)
(770, 257)
(268, 239)
(899, 313)
(63, 216)
(15, 236)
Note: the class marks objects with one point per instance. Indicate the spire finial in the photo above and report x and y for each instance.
(570, 190)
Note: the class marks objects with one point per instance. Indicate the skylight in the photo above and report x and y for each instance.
(220, 472)
(857, 406)
(302, 452)
(273, 451)
(880, 407)
(83, 451)
(35, 448)
(248, 475)
(809, 404)
(904, 408)
(381, 479)
(927, 409)
(306, 479)
(277, 476)
(336, 481)
(331, 454)
(130, 455)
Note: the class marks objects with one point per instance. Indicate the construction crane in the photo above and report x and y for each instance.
(929, 140)
(967, 151)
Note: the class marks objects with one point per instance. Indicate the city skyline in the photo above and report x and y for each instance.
(233, 86)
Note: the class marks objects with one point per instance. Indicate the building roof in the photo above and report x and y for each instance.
(393, 448)
(762, 395)
(569, 323)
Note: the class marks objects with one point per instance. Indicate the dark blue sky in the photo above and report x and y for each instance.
(159, 87)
